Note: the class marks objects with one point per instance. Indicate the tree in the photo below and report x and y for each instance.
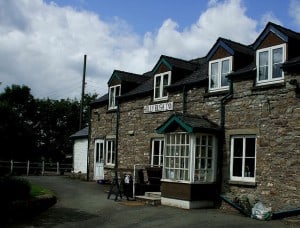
(17, 110)
(35, 129)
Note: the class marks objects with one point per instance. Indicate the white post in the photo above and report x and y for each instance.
(28, 163)
(11, 166)
(57, 169)
(43, 167)
(133, 182)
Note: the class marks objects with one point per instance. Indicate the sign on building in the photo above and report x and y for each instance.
(162, 107)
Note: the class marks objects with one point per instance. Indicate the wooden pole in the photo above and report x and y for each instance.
(82, 93)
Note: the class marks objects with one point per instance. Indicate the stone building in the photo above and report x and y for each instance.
(226, 123)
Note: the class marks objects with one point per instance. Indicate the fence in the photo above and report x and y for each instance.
(34, 168)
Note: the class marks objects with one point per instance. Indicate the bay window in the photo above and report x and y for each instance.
(269, 61)
(204, 159)
(190, 157)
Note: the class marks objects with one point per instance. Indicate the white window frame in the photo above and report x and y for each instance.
(110, 152)
(184, 152)
(219, 75)
(160, 96)
(270, 78)
(244, 177)
(160, 142)
(205, 151)
(112, 96)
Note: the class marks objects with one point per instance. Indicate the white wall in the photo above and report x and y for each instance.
(80, 155)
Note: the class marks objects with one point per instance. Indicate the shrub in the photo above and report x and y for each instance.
(13, 188)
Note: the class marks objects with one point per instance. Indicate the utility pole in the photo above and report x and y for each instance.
(82, 93)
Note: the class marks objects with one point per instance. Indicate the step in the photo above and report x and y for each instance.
(154, 201)
(153, 194)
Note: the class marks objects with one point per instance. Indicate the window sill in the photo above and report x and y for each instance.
(242, 183)
(269, 85)
(111, 110)
(216, 93)
(186, 182)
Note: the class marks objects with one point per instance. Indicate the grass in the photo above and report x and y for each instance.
(37, 190)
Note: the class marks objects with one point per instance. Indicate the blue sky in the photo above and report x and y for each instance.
(42, 42)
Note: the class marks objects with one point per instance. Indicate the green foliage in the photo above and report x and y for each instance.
(37, 190)
(38, 129)
(13, 188)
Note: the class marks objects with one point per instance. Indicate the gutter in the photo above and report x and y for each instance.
(235, 206)
(286, 213)
(275, 215)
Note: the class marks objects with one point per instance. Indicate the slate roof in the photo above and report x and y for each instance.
(130, 77)
(251, 68)
(198, 68)
(189, 123)
(147, 86)
(246, 49)
(100, 100)
(179, 63)
(83, 133)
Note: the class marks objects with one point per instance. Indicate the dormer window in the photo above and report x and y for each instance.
(161, 81)
(114, 91)
(268, 62)
(218, 70)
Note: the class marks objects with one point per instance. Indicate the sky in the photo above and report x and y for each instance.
(43, 42)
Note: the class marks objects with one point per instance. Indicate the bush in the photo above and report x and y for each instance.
(13, 188)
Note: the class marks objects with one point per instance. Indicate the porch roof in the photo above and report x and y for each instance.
(188, 123)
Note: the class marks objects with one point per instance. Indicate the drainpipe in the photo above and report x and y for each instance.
(117, 138)
(222, 135)
(222, 104)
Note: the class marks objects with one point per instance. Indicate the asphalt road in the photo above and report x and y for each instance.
(85, 204)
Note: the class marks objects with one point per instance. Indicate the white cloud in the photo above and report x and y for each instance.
(42, 45)
(267, 17)
(196, 40)
(294, 11)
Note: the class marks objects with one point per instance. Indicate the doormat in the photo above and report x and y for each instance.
(132, 203)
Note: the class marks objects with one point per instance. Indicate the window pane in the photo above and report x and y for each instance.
(250, 147)
(249, 167)
(225, 71)
(118, 91)
(156, 148)
(214, 75)
(157, 87)
(155, 160)
(263, 65)
(277, 55)
(165, 79)
(237, 167)
(238, 147)
(277, 59)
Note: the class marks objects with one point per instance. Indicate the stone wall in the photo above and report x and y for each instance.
(274, 114)
(271, 113)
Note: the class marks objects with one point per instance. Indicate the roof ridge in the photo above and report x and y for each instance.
(282, 27)
(235, 42)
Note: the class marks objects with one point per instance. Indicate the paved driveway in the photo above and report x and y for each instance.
(85, 204)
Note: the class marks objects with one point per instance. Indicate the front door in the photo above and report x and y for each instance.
(99, 160)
